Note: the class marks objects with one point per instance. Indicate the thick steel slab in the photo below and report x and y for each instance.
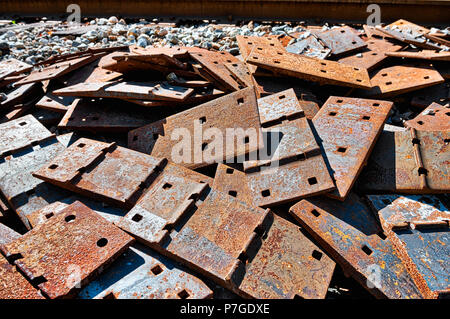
(236, 112)
(418, 226)
(141, 273)
(341, 40)
(350, 234)
(12, 67)
(348, 129)
(435, 117)
(316, 70)
(408, 162)
(67, 250)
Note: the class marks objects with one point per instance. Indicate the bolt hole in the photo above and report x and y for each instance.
(137, 218)
(265, 193)
(81, 145)
(342, 149)
(102, 242)
(49, 215)
(53, 166)
(229, 171)
(69, 218)
(183, 294)
(240, 101)
(312, 181)
(157, 270)
(167, 186)
(315, 213)
(366, 118)
(317, 254)
(232, 193)
(367, 250)
(332, 114)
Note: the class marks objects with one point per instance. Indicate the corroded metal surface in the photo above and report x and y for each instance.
(278, 107)
(409, 162)
(351, 235)
(401, 79)
(127, 90)
(241, 72)
(7, 235)
(310, 47)
(316, 70)
(13, 285)
(141, 273)
(435, 117)
(287, 265)
(348, 129)
(423, 55)
(341, 40)
(418, 225)
(19, 95)
(67, 250)
(236, 110)
(101, 170)
(12, 67)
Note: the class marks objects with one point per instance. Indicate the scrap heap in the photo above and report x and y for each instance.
(105, 204)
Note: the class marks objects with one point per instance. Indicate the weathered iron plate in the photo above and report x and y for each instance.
(316, 70)
(101, 170)
(13, 285)
(348, 129)
(279, 107)
(414, 39)
(7, 235)
(423, 55)
(102, 116)
(55, 103)
(67, 250)
(141, 273)
(400, 79)
(12, 67)
(174, 52)
(310, 47)
(435, 117)
(351, 235)
(158, 58)
(127, 90)
(341, 40)
(241, 72)
(419, 227)
(248, 43)
(373, 55)
(409, 162)
(436, 94)
(19, 95)
(408, 27)
(287, 265)
(236, 110)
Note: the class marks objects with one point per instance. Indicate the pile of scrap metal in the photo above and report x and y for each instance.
(101, 208)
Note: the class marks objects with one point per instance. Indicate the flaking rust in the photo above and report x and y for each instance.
(351, 235)
(141, 273)
(348, 129)
(435, 117)
(66, 251)
(408, 161)
(418, 225)
(236, 113)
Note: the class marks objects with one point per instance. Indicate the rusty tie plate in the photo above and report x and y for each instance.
(351, 235)
(435, 117)
(20, 95)
(436, 94)
(127, 90)
(341, 40)
(13, 67)
(310, 47)
(316, 70)
(418, 225)
(55, 103)
(67, 250)
(348, 129)
(235, 112)
(423, 55)
(101, 171)
(141, 273)
(7, 235)
(242, 73)
(279, 107)
(409, 162)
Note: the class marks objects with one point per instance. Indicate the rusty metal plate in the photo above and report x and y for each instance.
(408, 27)
(278, 107)
(141, 273)
(247, 43)
(316, 70)
(21, 133)
(351, 235)
(20, 95)
(12, 67)
(55, 103)
(241, 73)
(341, 40)
(236, 110)
(310, 47)
(419, 227)
(423, 55)
(67, 250)
(105, 116)
(155, 57)
(214, 63)
(174, 52)
(101, 171)
(58, 69)
(372, 56)
(7, 235)
(435, 117)
(436, 94)
(400, 79)
(415, 39)
(348, 129)
(287, 265)
(409, 162)
(13, 285)
(127, 90)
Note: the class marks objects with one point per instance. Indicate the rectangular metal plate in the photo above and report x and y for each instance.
(20, 95)
(409, 162)
(315, 70)
(241, 73)
(12, 67)
(310, 47)
(55, 103)
(278, 107)
(341, 40)
(434, 118)
(67, 250)
(348, 129)
(141, 273)
(418, 225)
(236, 110)
(351, 235)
